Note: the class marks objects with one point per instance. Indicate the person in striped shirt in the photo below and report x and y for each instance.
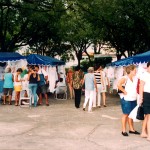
(99, 81)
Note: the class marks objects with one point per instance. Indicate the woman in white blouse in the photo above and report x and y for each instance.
(128, 98)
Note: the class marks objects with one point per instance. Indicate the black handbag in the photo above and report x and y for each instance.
(119, 91)
(140, 113)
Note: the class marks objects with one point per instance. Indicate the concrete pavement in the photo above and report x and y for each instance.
(63, 127)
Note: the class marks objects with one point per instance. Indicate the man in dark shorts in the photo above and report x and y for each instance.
(42, 88)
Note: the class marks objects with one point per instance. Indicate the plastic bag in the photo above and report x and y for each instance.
(133, 114)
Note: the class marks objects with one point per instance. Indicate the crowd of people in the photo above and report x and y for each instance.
(95, 83)
(35, 80)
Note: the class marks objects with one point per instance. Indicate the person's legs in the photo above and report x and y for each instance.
(94, 98)
(91, 101)
(130, 122)
(124, 119)
(131, 106)
(4, 99)
(44, 91)
(144, 127)
(39, 95)
(148, 127)
(99, 95)
(70, 90)
(17, 96)
(78, 98)
(104, 98)
(46, 99)
(5, 91)
(10, 95)
(87, 96)
(75, 98)
(35, 94)
(124, 122)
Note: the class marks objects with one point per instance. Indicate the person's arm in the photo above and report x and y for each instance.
(83, 80)
(121, 82)
(29, 74)
(12, 77)
(38, 79)
(95, 84)
(102, 79)
(142, 83)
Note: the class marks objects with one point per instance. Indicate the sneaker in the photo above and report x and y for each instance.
(83, 109)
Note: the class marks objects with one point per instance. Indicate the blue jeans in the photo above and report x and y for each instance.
(33, 88)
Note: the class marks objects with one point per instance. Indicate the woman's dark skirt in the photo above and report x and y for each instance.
(146, 102)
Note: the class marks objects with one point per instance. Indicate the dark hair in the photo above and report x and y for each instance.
(36, 66)
(61, 79)
(19, 70)
(148, 64)
(77, 68)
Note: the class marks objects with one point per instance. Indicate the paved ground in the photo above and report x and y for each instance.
(63, 127)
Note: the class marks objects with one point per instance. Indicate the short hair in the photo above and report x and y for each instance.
(130, 68)
(90, 69)
(19, 70)
(148, 64)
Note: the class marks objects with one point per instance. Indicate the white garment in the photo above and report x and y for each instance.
(133, 114)
(19, 78)
(146, 78)
(52, 77)
(110, 72)
(97, 96)
(88, 97)
(130, 88)
(25, 83)
(104, 82)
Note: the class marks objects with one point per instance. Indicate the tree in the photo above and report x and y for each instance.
(122, 23)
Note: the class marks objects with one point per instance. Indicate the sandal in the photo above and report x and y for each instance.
(10, 103)
(16, 104)
(47, 104)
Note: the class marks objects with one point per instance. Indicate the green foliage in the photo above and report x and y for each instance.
(59, 27)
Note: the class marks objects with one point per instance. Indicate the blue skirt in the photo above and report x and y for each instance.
(127, 106)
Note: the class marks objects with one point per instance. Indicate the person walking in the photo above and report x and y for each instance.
(77, 78)
(145, 101)
(90, 83)
(99, 81)
(69, 81)
(8, 85)
(128, 98)
(104, 86)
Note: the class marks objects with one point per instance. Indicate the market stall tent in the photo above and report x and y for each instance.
(35, 59)
(10, 56)
(137, 59)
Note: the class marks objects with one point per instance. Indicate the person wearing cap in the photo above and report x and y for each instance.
(90, 83)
